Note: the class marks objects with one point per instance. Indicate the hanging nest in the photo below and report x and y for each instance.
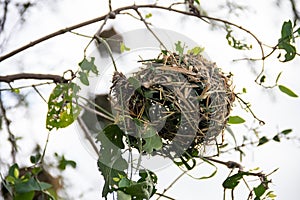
(185, 99)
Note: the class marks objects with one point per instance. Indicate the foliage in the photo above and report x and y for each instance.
(34, 182)
(62, 110)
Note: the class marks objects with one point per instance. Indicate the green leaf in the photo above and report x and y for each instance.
(287, 30)
(10, 180)
(16, 90)
(165, 52)
(35, 158)
(14, 171)
(179, 48)
(134, 82)
(88, 66)
(232, 181)
(123, 48)
(235, 43)
(152, 141)
(287, 91)
(62, 107)
(262, 140)
(244, 90)
(24, 196)
(123, 196)
(63, 162)
(36, 170)
(278, 76)
(148, 15)
(114, 134)
(271, 195)
(286, 131)
(196, 50)
(31, 185)
(124, 182)
(290, 51)
(260, 190)
(262, 79)
(110, 171)
(144, 188)
(285, 41)
(235, 120)
(83, 77)
(276, 138)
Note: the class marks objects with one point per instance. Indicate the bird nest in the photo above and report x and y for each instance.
(185, 99)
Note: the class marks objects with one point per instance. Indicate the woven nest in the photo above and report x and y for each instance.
(186, 99)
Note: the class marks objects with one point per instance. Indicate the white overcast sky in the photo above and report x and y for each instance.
(64, 52)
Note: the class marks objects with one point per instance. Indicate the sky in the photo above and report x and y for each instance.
(64, 52)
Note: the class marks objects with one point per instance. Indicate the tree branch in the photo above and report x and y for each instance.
(112, 14)
(295, 11)
(14, 77)
(11, 136)
(4, 16)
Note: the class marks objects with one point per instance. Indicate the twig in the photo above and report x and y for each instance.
(109, 5)
(11, 136)
(162, 195)
(261, 122)
(14, 77)
(80, 34)
(171, 185)
(113, 13)
(4, 16)
(97, 33)
(45, 147)
(176, 3)
(54, 34)
(295, 11)
(27, 86)
(228, 164)
(87, 134)
(38, 92)
(105, 116)
(101, 40)
(148, 27)
(131, 15)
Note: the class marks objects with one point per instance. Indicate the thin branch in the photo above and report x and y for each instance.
(148, 27)
(109, 5)
(113, 14)
(97, 34)
(94, 111)
(26, 86)
(45, 147)
(11, 136)
(171, 185)
(4, 16)
(54, 34)
(38, 92)
(162, 195)
(261, 122)
(228, 164)
(295, 11)
(101, 40)
(87, 134)
(14, 77)
(80, 34)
